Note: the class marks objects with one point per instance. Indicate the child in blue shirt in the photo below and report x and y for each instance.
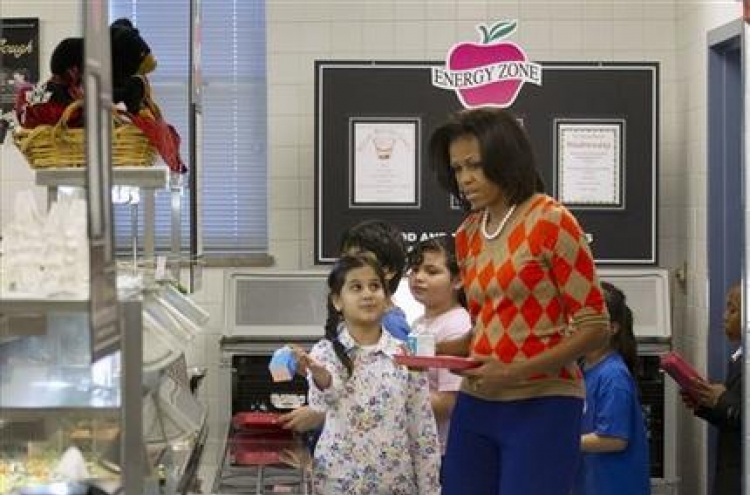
(615, 457)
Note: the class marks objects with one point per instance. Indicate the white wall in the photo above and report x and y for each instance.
(301, 31)
(58, 19)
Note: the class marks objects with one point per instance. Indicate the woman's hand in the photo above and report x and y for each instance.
(460, 346)
(593, 442)
(493, 374)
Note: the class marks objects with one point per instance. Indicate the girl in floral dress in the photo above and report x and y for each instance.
(380, 435)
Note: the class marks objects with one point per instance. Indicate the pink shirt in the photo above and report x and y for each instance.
(450, 325)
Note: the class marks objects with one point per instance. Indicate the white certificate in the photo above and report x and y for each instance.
(590, 163)
(384, 164)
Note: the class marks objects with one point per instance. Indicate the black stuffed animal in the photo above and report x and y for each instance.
(45, 104)
(66, 65)
(131, 61)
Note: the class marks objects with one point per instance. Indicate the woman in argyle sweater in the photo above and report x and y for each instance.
(536, 305)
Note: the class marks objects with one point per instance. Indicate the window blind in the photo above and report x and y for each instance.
(233, 176)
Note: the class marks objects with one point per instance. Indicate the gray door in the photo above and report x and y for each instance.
(725, 216)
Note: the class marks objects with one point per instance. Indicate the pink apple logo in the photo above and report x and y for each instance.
(488, 73)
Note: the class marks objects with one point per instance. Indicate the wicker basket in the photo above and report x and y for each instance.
(59, 146)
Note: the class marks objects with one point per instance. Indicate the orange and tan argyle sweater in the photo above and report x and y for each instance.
(527, 289)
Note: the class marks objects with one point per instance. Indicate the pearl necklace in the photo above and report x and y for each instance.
(500, 227)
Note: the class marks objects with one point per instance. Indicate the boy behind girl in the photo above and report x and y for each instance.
(384, 242)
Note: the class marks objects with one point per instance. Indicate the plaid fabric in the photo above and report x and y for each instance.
(528, 288)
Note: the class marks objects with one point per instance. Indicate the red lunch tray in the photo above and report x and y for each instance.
(449, 362)
(261, 420)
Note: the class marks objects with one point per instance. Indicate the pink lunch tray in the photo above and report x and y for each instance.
(679, 369)
(448, 362)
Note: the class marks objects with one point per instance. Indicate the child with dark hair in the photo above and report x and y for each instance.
(721, 403)
(380, 435)
(435, 282)
(614, 444)
(383, 242)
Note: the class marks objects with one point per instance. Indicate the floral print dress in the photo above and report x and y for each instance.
(380, 435)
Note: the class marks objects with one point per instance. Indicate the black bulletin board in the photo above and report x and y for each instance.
(19, 57)
(615, 94)
(19, 63)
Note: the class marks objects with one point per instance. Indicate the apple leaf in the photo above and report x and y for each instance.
(497, 31)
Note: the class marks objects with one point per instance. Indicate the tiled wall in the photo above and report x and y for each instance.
(302, 31)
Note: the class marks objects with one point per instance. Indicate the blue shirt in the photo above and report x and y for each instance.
(612, 409)
(394, 321)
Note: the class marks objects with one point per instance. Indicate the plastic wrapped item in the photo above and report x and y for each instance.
(184, 305)
(46, 254)
(171, 413)
(65, 256)
(183, 326)
(167, 333)
(23, 247)
(160, 346)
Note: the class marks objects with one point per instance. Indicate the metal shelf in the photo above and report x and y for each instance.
(25, 305)
(12, 303)
(145, 177)
(55, 395)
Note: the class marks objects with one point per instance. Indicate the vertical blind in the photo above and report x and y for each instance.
(233, 166)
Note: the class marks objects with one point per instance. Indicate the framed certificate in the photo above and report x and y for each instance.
(590, 163)
(384, 168)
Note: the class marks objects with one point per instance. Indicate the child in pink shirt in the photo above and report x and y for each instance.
(435, 282)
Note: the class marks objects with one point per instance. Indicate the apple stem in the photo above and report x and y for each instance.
(497, 31)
